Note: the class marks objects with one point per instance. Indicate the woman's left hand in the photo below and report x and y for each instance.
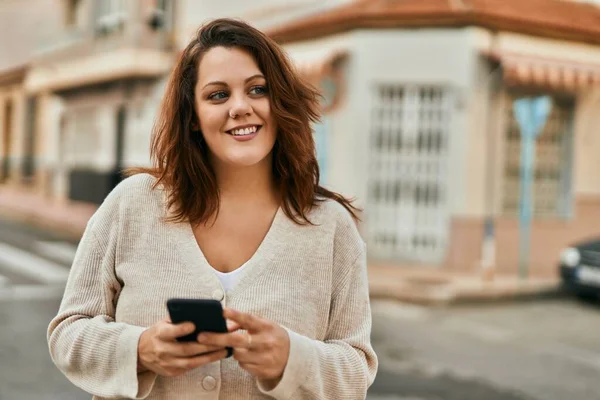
(263, 350)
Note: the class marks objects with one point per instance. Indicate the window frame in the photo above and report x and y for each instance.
(565, 203)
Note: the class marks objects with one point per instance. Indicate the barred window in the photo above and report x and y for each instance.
(407, 204)
(553, 163)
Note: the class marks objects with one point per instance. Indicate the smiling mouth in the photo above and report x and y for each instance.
(244, 131)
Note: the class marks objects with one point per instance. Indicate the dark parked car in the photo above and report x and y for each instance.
(580, 268)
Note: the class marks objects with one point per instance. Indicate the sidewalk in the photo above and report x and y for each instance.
(429, 286)
(67, 218)
(414, 284)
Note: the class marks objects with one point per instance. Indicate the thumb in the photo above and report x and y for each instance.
(173, 331)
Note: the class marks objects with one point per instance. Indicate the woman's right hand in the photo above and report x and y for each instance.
(160, 352)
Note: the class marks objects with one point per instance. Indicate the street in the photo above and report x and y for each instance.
(33, 269)
(542, 350)
(536, 350)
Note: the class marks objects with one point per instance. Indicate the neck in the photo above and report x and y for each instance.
(246, 184)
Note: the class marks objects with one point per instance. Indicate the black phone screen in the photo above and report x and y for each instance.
(205, 314)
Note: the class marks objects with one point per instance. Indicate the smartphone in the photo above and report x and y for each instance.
(205, 314)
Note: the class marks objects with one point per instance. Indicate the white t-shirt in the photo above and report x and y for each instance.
(228, 279)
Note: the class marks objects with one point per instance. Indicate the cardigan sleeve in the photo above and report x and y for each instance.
(94, 352)
(344, 365)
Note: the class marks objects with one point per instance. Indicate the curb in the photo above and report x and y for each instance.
(455, 292)
(545, 294)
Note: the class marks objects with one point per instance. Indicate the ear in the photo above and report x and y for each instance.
(195, 128)
(195, 121)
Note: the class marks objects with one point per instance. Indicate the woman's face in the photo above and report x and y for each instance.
(233, 106)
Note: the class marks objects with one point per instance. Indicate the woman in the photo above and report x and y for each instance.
(232, 211)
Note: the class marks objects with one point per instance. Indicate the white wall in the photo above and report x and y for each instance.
(190, 14)
(483, 138)
(424, 56)
(23, 25)
(142, 112)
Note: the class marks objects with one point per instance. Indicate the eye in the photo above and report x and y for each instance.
(217, 95)
(258, 90)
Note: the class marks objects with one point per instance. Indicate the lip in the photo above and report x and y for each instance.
(245, 138)
(258, 126)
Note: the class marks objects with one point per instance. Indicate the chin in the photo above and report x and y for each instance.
(246, 160)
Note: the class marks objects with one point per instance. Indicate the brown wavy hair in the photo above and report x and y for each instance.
(180, 157)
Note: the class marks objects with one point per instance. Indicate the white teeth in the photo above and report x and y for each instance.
(242, 132)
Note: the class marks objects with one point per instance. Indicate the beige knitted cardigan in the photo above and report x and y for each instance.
(311, 279)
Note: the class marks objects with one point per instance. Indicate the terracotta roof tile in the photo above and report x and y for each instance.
(548, 18)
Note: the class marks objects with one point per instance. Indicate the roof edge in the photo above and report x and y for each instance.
(318, 26)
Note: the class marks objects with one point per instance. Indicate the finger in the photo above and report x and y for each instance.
(169, 332)
(252, 357)
(170, 350)
(245, 320)
(234, 339)
(233, 326)
(195, 362)
(245, 356)
(192, 349)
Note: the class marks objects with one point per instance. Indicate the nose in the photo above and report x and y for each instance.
(240, 107)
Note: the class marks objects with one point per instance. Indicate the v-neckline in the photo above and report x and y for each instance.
(252, 267)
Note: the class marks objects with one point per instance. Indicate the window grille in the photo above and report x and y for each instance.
(553, 163)
(407, 204)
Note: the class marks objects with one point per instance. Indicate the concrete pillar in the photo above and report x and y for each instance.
(18, 107)
(47, 155)
(2, 133)
(12, 120)
(106, 120)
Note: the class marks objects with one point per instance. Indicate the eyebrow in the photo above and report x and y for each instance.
(221, 83)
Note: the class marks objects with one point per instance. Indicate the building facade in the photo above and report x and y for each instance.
(425, 135)
(18, 43)
(418, 120)
(13, 126)
(95, 84)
